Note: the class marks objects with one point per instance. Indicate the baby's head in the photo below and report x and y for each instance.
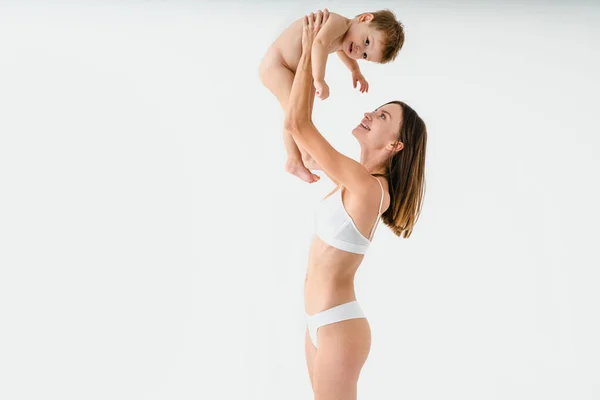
(375, 36)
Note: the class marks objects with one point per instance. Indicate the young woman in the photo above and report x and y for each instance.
(387, 183)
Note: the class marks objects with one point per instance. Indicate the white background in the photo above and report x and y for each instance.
(152, 246)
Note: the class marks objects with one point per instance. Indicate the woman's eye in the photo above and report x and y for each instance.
(383, 116)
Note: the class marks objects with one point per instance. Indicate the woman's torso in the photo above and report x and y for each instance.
(287, 48)
(330, 272)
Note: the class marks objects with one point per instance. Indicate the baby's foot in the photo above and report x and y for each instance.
(295, 167)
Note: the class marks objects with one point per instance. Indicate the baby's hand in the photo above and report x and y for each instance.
(322, 90)
(357, 76)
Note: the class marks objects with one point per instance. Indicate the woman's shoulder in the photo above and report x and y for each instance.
(374, 190)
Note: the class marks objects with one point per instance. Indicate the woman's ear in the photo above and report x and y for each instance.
(395, 147)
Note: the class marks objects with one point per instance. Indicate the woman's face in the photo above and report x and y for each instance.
(380, 127)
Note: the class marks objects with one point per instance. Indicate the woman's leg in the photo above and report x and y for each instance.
(310, 351)
(343, 349)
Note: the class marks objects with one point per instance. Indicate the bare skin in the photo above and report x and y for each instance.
(277, 70)
(344, 346)
(334, 368)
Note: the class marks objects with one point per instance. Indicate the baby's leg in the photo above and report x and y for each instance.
(278, 79)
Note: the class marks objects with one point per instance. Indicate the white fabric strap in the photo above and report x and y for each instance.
(379, 212)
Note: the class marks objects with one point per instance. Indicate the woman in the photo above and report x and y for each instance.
(393, 140)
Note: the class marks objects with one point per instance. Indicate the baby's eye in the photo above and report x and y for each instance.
(382, 115)
(367, 42)
(364, 55)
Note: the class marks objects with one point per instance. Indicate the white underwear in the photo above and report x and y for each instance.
(339, 313)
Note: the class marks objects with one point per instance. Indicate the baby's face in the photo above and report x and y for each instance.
(362, 42)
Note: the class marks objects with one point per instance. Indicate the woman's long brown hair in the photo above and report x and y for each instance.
(405, 173)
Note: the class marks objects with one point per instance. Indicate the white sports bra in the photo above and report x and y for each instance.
(335, 227)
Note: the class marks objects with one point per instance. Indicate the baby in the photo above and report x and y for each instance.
(376, 37)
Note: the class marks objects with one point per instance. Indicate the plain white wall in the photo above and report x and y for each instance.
(152, 246)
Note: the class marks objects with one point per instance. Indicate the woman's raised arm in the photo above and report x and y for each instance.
(298, 104)
(298, 121)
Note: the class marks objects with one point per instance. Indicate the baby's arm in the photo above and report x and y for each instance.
(357, 76)
(334, 28)
(351, 64)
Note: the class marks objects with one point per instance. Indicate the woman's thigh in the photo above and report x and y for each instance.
(343, 349)
(310, 351)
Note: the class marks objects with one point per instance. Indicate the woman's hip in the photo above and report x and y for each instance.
(346, 319)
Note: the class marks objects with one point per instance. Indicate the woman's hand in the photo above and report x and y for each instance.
(311, 25)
